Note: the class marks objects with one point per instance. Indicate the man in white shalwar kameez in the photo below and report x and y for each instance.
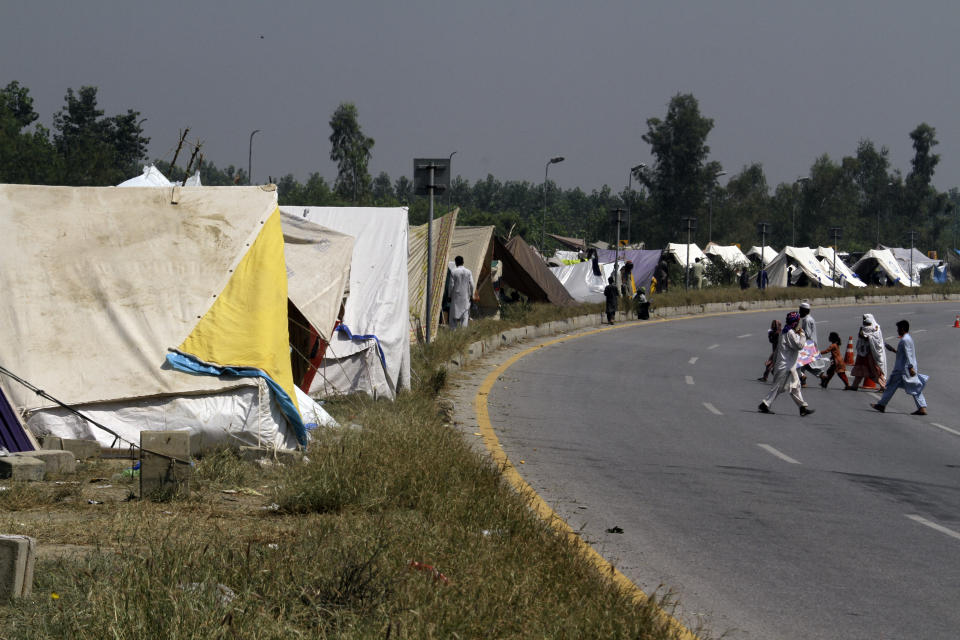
(785, 377)
(461, 288)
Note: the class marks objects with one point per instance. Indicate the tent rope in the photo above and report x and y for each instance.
(117, 437)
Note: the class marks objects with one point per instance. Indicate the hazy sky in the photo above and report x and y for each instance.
(506, 85)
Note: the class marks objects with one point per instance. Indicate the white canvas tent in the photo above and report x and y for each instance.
(153, 177)
(119, 300)
(804, 262)
(844, 275)
(679, 253)
(767, 254)
(370, 352)
(580, 281)
(729, 255)
(907, 257)
(884, 261)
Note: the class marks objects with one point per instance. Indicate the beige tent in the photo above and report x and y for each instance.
(475, 244)
(120, 300)
(417, 271)
(318, 277)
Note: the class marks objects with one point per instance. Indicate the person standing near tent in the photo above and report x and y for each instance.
(904, 373)
(627, 286)
(462, 291)
(790, 276)
(871, 361)
(698, 273)
(641, 304)
(612, 296)
(785, 376)
(762, 278)
(662, 276)
(744, 279)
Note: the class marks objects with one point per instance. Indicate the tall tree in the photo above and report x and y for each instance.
(350, 149)
(96, 150)
(25, 156)
(679, 180)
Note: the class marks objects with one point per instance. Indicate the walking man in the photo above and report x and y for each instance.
(809, 326)
(698, 273)
(785, 376)
(612, 296)
(461, 287)
(904, 373)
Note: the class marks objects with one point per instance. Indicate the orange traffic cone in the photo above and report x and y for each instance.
(869, 384)
(956, 323)
(848, 357)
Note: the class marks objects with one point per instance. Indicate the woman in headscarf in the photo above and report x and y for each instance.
(785, 377)
(871, 362)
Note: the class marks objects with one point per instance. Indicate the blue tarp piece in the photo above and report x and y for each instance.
(12, 436)
(342, 328)
(189, 364)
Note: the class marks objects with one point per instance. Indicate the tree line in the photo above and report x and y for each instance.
(677, 196)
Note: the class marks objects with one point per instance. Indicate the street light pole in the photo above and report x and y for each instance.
(691, 225)
(912, 234)
(633, 170)
(250, 157)
(800, 180)
(543, 224)
(450, 160)
(713, 183)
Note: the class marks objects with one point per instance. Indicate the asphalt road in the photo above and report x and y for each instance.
(843, 524)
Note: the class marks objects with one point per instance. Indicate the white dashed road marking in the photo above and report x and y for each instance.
(746, 335)
(712, 409)
(694, 359)
(935, 526)
(778, 454)
(689, 379)
(947, 429)
(713, 346)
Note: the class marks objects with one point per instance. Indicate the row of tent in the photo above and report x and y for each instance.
(213, 309)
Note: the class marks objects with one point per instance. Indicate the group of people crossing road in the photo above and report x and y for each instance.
(795, 354)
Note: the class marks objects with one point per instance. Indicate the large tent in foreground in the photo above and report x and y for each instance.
(370, 351)
(525, 271)
(806, 269)
(881, 261)
(148, 309)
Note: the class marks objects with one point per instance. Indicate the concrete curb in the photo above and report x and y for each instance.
(477, 350)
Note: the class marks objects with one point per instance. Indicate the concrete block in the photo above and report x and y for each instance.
(491, 343)
(51, 442)
(53, 461)
(81, 449)
(283, 456)
(160, 476)
(16, 566)
(475, 350)
(21, 468)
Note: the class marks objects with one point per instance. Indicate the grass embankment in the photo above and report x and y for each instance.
(394, 529)
(336, 547)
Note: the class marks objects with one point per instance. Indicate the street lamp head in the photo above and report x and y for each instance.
(642, 165)
(719, 173)
(803, 179)
(556, 160)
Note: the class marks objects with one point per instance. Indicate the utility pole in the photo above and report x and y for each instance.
(835, 232)
(430, 176)
(691, 224)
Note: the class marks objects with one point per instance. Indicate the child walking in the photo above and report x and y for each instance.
(836, 363)
(773, 337)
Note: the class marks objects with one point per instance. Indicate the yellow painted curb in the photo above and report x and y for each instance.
(542, 509)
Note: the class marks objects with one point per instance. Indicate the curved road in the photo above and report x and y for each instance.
(842, 524)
